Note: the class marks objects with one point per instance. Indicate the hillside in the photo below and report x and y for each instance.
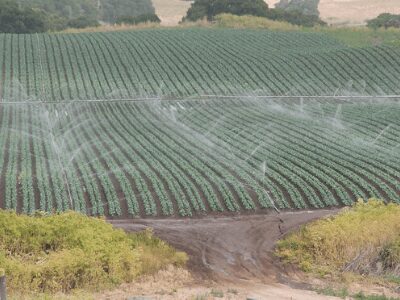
(180, 122)
(350, 12)
(171, 11)
(355, 12)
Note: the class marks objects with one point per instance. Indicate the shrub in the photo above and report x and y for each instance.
(131, 20)
(210, 8)
(385, 20)
(294, 17)
(82, 22)
(232, 21)
(357, 239)
(72, 251)
(305, 7)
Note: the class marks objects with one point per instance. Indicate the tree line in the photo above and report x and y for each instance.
(385, 20)
(28, 16)
(298, 12)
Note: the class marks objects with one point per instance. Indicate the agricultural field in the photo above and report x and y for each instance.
(161, 158)
(190, 62)
(189, 122)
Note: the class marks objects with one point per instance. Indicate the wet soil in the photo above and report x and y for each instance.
(229, 249)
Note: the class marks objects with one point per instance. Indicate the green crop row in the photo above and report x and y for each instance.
(187, 62)
(194, 158)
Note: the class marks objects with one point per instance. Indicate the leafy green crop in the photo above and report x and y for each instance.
(65, 146)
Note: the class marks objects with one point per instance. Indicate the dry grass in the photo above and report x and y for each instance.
(48, 254)
(232, 21)
(362, 36)
(355, 12)
(351, 12)
(358, 239)
(163, 282)
(110, 28)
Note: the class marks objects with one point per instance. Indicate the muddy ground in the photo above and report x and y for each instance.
(229, 249)
(230, 256)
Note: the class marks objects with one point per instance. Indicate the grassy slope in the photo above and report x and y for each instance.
(68, 252)
(362, 37)
(363, 239)
(351, 36)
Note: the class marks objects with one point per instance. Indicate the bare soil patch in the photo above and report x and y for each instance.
(232, 255)
(228, 249)
(172, 284)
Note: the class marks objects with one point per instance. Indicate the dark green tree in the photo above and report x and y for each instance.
(111, 10)
(101, 10)
(69, 9)
(294, 17)
(209, 8)
(305, 7)
(82, 22)
(385, 20)
(14, 19)
(153, 18)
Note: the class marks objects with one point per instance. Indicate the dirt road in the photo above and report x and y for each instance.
(226, 254)
(229, 248)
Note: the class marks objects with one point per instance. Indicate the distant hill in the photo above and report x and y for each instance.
(355, 12)
(171, 11)
(352, 12)
(102, 10)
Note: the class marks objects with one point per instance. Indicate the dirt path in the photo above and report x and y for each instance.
(177, 284)
(229, 249)
(226, 254)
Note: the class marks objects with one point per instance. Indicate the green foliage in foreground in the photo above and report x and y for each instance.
(71, 251)
(343, 293)
(364, 239)
(361, 296)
